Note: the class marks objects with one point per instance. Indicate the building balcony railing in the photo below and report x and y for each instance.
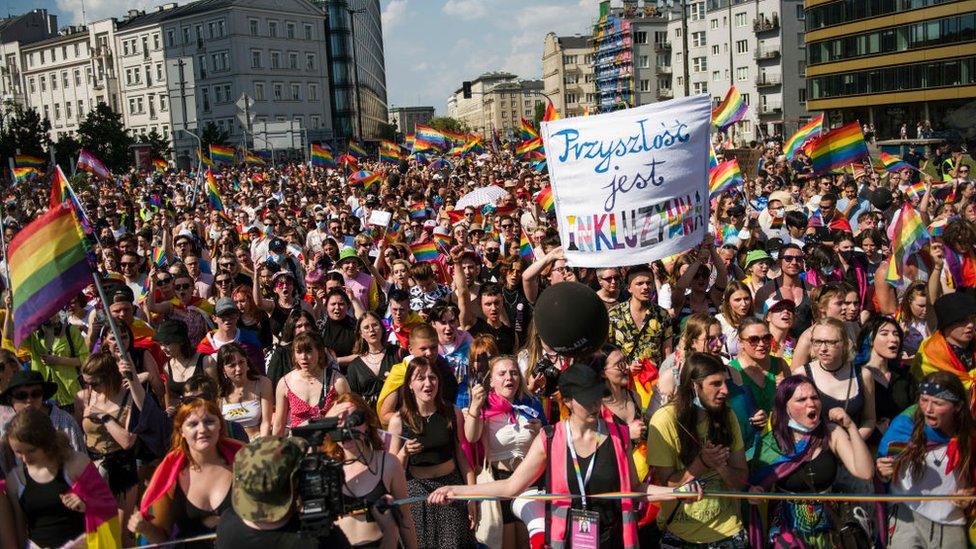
(765, 24)
(766, 80)
(662, 46)
(771, 52)
(770, 108)
(663, 69)
(665, 93)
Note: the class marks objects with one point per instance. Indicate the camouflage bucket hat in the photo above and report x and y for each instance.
(263, 472)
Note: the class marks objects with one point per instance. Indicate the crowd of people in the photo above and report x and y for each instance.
(778, 356)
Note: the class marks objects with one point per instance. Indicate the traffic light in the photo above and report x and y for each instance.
(466, 87)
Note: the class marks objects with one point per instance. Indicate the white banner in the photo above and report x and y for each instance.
(630, 186)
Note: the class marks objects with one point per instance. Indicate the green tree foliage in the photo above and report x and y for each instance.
(212, 135)
(158, 145)
(66, 151)
(103, 134)
(448, 123)
(24, 129)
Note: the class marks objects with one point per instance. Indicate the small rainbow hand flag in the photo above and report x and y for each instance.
(443, 240)
(525, 247)
(213, 194)
(896, 448)
(893, 163)
(545, 200)
(160, 165)
(365, 178)
(907, 235)
(347, 160)
(915, 190)
(837, 149)
(730, 110)
(159, 256)
(808, 131)
(418, 210)
(222, 154)
(725, 176)
(322, 156)
(425, 251)
(937, 226)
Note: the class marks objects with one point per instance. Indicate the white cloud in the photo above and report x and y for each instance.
(466, 9)
(95, 10)
(394, 13)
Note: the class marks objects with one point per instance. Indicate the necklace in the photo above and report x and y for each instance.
(938, 460)
(835, 370)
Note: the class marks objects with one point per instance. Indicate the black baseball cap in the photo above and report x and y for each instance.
(582, 383)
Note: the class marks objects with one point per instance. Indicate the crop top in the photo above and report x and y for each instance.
(437, 438)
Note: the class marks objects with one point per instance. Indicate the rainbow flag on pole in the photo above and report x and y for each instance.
(525, 247)
(426, 251)
(725, 176)
(48, 262)
(24, 173)
(915, 190)
(551, 113)
(418, 210)
(430, 136)
(730, 110)
(390, 152)
(907, 235)
(545, 200)
(808, 131)
(527, 130)
(222, 154)
(159, 256)
(89, 163)
(893, 163)
(322, 156)
(253, 159)
(213, 193)
(528, 146)
(355, 150)
(29, 160)
(838, 148)
(205, 160)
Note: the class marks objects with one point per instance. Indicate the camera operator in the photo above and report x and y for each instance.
(264, 513)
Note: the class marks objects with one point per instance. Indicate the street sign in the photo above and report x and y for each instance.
(245, 103)
(245, 120)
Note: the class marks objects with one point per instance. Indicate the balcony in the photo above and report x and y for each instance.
(771, 108)
(768, 80)
(764, 24)
(665, 93)
(663, 69)
(661, 47)
(767, 53)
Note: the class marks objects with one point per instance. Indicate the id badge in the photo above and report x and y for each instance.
(584, 527)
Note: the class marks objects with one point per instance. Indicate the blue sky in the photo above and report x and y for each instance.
(431, 45)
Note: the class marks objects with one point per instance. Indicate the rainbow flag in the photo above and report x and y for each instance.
(443, 240)
(408, 141)
(59, 189)
(473, 146)
(89, 163)
(551, 113)
(838, 148)
(456, 138)
(525, 247)
(418, 210)
(322, 156)
(205, 160)
(712, 160)
(355, 150)
(23, 173)
(159, 256)
(29, 160)
(808, 131)
(430, 136)
(915, 190)
(160, 165)
(907, 235)
(49, 266)
(392, 232)
(545, 200)
(347, 160)
(725, 176)
(730, 110)
(528, 146)
(252, 158)
(937, 226)
(213, 193)
(893, 163)
(390, 152)
(527, 130)
(103, 530)
(365, 178)
(222, 154)
(426, 251)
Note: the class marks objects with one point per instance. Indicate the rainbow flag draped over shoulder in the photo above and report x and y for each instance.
(730, 110)
(213, 193)
(808, 131)
(425, 251)
(838, 148)
(893, 163)
(907, 235)
(725, 176)
(29, 161)
(222, 154)
(89, 163)
(49, 266)
(322, 156)
(356, 150)
(103, 530)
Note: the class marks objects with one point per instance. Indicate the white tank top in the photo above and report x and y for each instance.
(247, 413)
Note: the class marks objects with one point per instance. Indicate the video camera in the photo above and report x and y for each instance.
(320, 477)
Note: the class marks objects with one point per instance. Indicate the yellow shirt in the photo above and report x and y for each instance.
(394, 380)
(705, 521)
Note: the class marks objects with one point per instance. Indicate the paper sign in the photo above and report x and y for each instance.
(380, 218)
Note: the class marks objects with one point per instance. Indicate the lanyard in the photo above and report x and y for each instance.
(589, 469)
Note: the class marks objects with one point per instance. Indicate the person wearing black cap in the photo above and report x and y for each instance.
(584, 454)
(29, 389)
(950, 348)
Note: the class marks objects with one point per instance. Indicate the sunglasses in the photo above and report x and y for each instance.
(127, 264)
(611, 279)
(164, 280)
(229, 265)
(222, 281)
(756, 340)
(21, 396)
(506, 225)
(792, 258)
(183, 286)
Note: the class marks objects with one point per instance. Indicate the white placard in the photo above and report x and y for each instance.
(380, 218)
(630, 186)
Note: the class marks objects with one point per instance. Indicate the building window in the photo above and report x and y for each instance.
(277, 90)
(54, 81)
(276, 60)
(200, 36)
(132, 105)
(715, 49)
(125, 47)
(218, 95)
(716, 75)
(186, 35)
(81, 109)
(30, 85)
(713, 24)
(741, 19)
(698, 39)
(290, 30)
(47, 113)
(202, 63)
(741, 46)
(205, 96)
(314, 121)
(310, 62)
(162, 103)
(77, 75)
(259, 91)
(88, 75)
(802, 95)
(313, 92)
(293, 60)
(252, 25)
(308, 31)
(296, 93)
(156, 41)
(697, 11)
(159, 72)
(742, 73)
(746, 126)
(255, 59)
(640, 37)
(799, 12)
(273, 29)
(572, 98)
(569, 60)
(170, 38)
(745, 99)
(699, 64)
(643, 61)
(220, 28)
(801, 68)
(700, 87)
(645, 85)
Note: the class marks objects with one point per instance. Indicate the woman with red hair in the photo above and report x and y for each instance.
(191, 487)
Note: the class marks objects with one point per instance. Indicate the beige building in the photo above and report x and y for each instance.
(498, 100)
(567, 74)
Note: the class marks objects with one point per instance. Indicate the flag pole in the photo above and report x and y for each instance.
(77, 202)
(3, 250)
(113, 326)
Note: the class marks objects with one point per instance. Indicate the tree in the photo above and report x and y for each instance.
(24, 129)
(387, 131)
(66, 151)
(103, 134)
(540, 111)
(448, 123)
(158, 145)
(212, 135)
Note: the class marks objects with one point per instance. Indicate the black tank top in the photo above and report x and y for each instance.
(817, 475)
(605, 478)
(190, 518)
(437, 438)
(853, 405)
(175, 388)
(49, 522)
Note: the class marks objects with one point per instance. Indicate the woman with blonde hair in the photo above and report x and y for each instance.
(191, 487)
